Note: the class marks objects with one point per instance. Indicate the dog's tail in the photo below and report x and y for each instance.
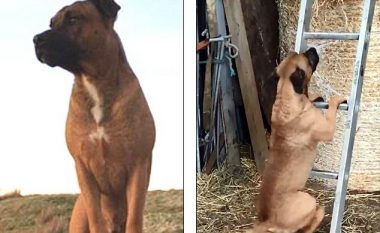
(267, 227)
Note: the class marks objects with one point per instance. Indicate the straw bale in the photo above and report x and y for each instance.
(334, 77)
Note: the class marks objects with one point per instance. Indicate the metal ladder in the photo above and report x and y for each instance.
(354, 100)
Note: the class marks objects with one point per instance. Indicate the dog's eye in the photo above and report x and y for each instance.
(73, 20)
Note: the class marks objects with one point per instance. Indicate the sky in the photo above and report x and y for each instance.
(34, 97)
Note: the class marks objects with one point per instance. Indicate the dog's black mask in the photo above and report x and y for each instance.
(298, 78)
(55, 49)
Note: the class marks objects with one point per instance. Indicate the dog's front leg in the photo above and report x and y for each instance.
(138, 182)
(79, 219)
(324, 127)
(90, 195)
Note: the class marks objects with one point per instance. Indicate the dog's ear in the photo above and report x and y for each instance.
(108, 8)
(298, 79)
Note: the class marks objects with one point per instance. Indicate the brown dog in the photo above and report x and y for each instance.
(297, 127)
(110, 131)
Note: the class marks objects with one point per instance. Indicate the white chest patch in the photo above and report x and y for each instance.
(96, 110)
(99, 134)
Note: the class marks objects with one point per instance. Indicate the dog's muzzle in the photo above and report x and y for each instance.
(40, 47)
(313, 58)
(54, 48)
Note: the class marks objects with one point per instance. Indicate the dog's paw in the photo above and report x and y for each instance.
(336, 100)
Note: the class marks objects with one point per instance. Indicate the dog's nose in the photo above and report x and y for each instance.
(312, 51)
(313, 57)
(36, 39)
(40, 38)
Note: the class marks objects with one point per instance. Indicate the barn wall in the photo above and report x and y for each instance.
(261, 23)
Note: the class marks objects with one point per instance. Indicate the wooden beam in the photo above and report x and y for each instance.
(227, 102)
(229, 119)
(236, 25)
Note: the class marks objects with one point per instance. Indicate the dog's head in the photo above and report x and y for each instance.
(297, 69)
(77, 34)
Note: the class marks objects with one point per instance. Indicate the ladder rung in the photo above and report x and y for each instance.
(325, 105)
(324, 174)
(331, 35)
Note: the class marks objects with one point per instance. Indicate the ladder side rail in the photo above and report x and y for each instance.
(354, 102)
(198, 156)
(303, 24)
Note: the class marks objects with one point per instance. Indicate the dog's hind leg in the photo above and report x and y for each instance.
(79, 220)
(318, 217)
(298, 210)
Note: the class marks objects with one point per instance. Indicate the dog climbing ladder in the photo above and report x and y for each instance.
(352, 107)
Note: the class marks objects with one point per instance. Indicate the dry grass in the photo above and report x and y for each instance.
(49, 222)
(57, 224)
(225, 199)
(13, 194)
(51, 213)
(226, 202)
(164, 212)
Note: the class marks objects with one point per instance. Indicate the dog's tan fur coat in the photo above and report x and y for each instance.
(109, 130)
(297, 127)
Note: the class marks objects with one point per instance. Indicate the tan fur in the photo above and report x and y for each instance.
(297, 127)
(109, 131)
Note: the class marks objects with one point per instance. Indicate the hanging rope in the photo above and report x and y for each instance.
(232, 51)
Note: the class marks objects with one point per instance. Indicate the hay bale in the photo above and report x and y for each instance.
(334, 76)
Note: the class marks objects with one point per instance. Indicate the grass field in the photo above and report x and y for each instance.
(51, 213)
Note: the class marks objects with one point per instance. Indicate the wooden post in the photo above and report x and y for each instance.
(235, 21)
(227, 103)
(229, 117)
